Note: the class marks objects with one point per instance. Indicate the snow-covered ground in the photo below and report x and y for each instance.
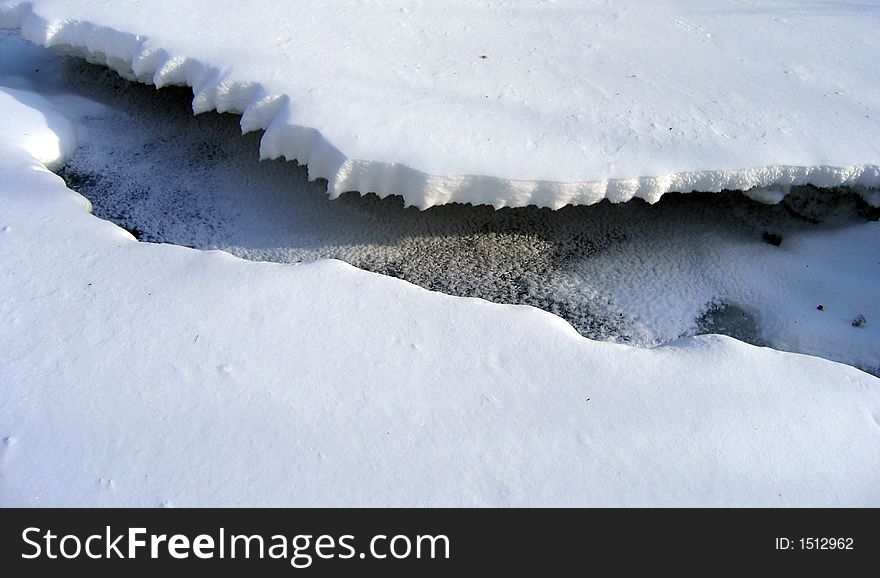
(508, 103)
(145, 374)
(632, 273)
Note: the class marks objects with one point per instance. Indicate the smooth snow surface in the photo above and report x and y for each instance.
(140, 375)
(511, 103)
(17, 130)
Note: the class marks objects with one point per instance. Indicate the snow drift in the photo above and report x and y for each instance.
(134, 374)
(549, 103)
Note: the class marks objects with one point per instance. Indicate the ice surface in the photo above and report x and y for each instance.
(508, 103)
(144, 375)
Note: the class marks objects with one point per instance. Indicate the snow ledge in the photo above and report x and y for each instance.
(131, 56)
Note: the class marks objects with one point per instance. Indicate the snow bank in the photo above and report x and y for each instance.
(35, 129)
(137, 374)
(549, 103)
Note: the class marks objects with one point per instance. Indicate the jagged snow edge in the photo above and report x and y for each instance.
(131, 56)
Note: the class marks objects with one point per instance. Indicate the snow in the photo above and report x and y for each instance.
(511, 104)
(141, 374)
(635, 273)
(16, 131)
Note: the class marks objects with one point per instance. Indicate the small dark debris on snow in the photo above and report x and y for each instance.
(772, 238)
(859, 321)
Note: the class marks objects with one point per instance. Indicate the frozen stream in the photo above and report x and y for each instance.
(635, 272)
